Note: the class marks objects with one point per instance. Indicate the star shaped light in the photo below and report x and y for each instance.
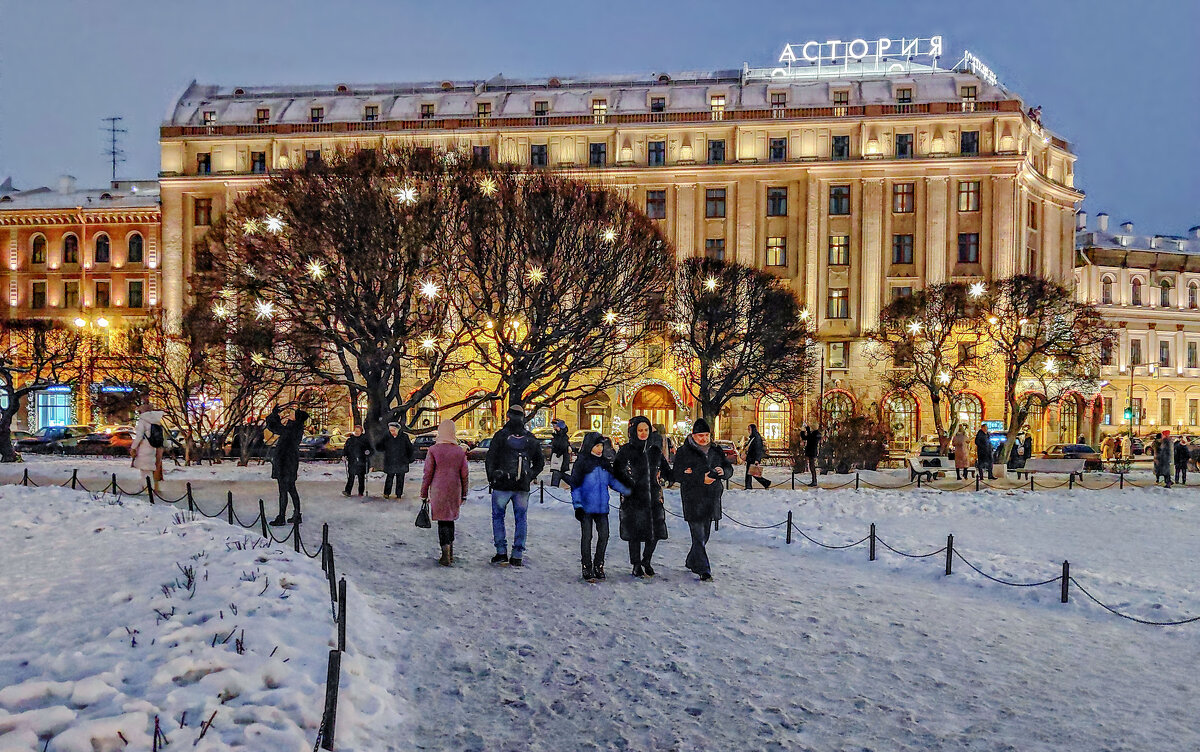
(406, 195)
(914, 327)
(610, 317)
(222, 311)
(250, 226)
(537, 275)
(610, 235)
(1051, 366)
(710, 284)
(316, 269)
(804, 314)
(428, 343)
(274, 224)
(978, 289)
(258, 359)
(429, 289)
(944, 377)
(487, 185)
(264, 309)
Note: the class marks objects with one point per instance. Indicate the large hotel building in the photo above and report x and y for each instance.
(856, 172)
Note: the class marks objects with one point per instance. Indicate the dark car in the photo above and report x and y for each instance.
(322, 447)
(422, 443)
(730, 450)
(116, 443)
(1083, 452)
(480, 450)
(53, 439)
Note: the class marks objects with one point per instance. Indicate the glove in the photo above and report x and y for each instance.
(580, 514)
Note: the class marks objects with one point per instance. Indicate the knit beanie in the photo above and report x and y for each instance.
(701, 426)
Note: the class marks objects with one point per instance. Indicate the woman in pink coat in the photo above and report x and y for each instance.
(962, 456)
(445, 486)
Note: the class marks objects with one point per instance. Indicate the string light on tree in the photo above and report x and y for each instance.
(316, 269)
(428, 344)
(488, 185)
(537, 275)
(610, 317)
(944, 377)
(250, 226)
(264, 309)
(610, 235)
(222, 311)
(258, 359)
(978, 289)
(274, 224)
(406, 195)
(804, 314)
(429, 289)
(1051, 366)
(710, 284)
(914, 327)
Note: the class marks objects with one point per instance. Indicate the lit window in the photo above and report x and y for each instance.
(371, 113)
(483, 113)
(841, 100)
(839, 250)
(839, 303)
(716, 105)
(904, 198)
(968, 195)
(599, 111)
(210, 117)
(262, 116)
(541, 113)
(968, 95)
(778, 104)
(777, 251)
(428, 111)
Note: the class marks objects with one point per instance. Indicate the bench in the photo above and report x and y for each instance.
(930, 467)
(1072, 468)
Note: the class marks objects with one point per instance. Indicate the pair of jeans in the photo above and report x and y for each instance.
(640, 555)
(445, 532)
(520, 502)
(600, 523)
(288, 488)
(697, 558)
(984, 467)
(1181, 474)
(398, 478)
(351, 474)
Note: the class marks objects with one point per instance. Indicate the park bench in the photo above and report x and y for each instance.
(1071, 468)
(930, 467)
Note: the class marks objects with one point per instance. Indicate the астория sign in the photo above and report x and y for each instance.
(855, 57)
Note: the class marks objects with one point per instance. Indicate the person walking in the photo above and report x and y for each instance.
(288, 426)
(444, 486)
(1106, 449)
(1164, 458)
(756, 450)
(958, 445)
(1016, 458)
(1027, 452)
(1182, 456)
(398, 454)
(641, 464)
(357, 450)
(513, 460)
(591, 478)
(148, 440)
(983, 454)
(812, 443)
(560, 446)
(701, 468)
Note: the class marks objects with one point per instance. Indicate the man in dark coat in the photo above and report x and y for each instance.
(812, 443)
(1182, 455)
(514, 459)
(983, 454)
(560, 446)
(640, 464)
(756, 450)
(1164, 458)
(288, 425)
(357, 450)
(700, 468)
(398, 454)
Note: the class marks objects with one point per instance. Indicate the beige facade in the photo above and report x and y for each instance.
(851, 189)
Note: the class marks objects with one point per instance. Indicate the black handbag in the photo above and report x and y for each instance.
(423, 516)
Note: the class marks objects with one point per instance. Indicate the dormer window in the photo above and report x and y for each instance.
(716, 106)
(968, 94)
(658, 108)
(599, 111)
(262, 116)
(841, 103)
(904, 96)
(209, 117)
(371, 113)
(316, 114)
(427, 111)
(541, 113)
(483, 111)
(778, 103)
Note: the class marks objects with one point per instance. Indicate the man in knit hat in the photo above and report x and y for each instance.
(700, 469)
(513, 460)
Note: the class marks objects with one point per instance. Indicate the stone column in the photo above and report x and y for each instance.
(812, 250)
(1004, 252)
(871, 264)
(172, 261)
(935, 230)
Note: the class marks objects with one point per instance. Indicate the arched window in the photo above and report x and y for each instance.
(1035, 421)
(1106, 287)
(774, 420)
(1164, 294)
(967, 409)
(838, 406)
(103, 249)
(900, 415)
(136, 249)
(37, 253)
(1068, 419)
(70, 250)
(1193, 295)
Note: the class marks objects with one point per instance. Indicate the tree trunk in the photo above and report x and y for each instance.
(7, 453)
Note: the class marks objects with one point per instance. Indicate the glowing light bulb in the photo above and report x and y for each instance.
(610, 235)
(102, 322)
(274, 224)
(1051, 366)
(264, 309)
(804, 314)
(944, 377)
(487, 185)
(710, 284)
(429, 289)
(316, 269)
(914, 327)
(80, 322)
(406, 195)
(610, 317)
(250, 226)
(537, 275)
(258, 359)
(428, 343)
(222, 311)
(978, 289)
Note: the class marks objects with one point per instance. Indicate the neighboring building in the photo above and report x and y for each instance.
(87, 257)
(855, 181)
(1149, 287)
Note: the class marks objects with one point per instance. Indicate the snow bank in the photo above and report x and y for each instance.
(114, 613)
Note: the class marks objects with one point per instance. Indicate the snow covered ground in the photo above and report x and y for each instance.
(114, 613)
(792, 647)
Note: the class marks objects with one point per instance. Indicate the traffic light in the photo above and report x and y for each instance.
(1128, 413)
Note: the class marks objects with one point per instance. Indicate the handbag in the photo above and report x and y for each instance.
(423, 516)
(756, 471)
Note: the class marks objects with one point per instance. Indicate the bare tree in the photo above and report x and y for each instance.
(739, 331)
(1045, 342)
(37, 354)
(562, 279)
(926, 344)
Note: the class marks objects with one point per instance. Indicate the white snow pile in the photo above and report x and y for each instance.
(114, 613)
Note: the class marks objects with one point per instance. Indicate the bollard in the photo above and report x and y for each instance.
(150, 489)
(332, 679)
(949, 553)
(296, 532)
(1066, 579)
(25, 477)
(324, 543)
(977, 478)
(332, 574)
(114, 482)
(229, 505)
(541, 492)
(74, 478)
(342, 614)
(1031, 488)
(789, 527)
(191, 501)
(872, 537)
(855, 480)
(793, 479)
(1120, 477)
(262, 518)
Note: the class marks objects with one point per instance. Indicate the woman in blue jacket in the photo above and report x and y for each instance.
(591, 478)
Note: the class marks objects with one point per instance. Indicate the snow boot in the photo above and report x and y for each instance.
(295, 518)
(500, 559)
(445, 558)
(346, 494)
(706, 577)
(766, 483)
(451, 552)
(588, 573)
(515, 563)
(278, 521)
(649, 570)
(638, 571)
(598, 571)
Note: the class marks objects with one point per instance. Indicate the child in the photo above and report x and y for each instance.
(591, 478)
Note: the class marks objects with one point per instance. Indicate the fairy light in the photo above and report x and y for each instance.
(264, 309)
(978, 289)
(610, 317)
(610, 235)
(258, 359)
(250, 226)
(429, 289)
(487, 185)
(274, 224)
(710, 284)
(222, 311)
(914, 327)
(406, 195)
(944, 377)
(428, 343)
(537, 275)
(316, 269)
(804, 314)
(1051, 366)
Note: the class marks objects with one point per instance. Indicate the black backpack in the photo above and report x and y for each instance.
(156, 436)
(512, 466)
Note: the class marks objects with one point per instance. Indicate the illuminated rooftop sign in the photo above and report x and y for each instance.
(856, 57)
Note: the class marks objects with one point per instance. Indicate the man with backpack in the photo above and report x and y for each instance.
(513, 460)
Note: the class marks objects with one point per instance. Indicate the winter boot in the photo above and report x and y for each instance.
(500, 559)
(516, 563)
(598, 571)
(649, 570)
(295, 518)
(279, 521)
(588, 573)
(638, 571)
(451, 547)
(445, 559)
(766, 483)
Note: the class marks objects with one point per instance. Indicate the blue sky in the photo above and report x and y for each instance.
(1119, 79)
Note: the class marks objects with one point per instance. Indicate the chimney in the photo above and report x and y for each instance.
(1102, 220)
(1081, 220)
(1127, 227)
(1194, 232)
(66, 184)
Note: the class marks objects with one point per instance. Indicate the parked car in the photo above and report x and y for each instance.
(576, 439)
(730, 450)
(322, 447)
(467, 436)
(18, 435)
(116, 443)
(422, 443)
(53, 439)
(1084, 452)
(480, 450)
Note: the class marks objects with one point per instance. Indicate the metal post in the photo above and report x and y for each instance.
(855, 480)
(541, 492)
(332, 679)
(332, 571)
(229, 505)
(324, 543)
(150, 489)
(1070, 481)
(1120, 477)
(190, 500)
(114, 482)
(793, 478)
(872, 541)
(1066, 579)
(296, 532)
(25, 477)
(262, 518)
(342, 614)
(949, 554)
(789, 527)
(74, 478)
(1031, 488)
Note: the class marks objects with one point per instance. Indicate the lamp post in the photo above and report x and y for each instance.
(92, 328)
